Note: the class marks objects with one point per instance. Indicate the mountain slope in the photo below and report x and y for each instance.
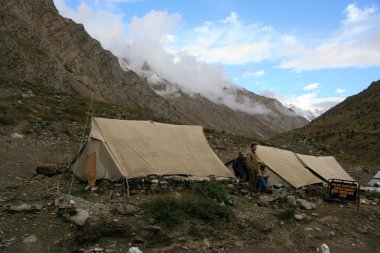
(350, 129)
(39, 46)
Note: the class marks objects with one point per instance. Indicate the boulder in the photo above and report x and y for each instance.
(47, 170)
(127, 209)
(80, 217)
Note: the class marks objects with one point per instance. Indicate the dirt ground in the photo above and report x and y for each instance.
(256, 228)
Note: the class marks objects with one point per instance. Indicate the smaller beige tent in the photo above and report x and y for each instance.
(287, 166)
(118, 149)
(325, 166)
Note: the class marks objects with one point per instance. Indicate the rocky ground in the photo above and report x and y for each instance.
(38, 218)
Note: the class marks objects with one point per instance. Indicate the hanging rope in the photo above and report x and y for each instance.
(82, 140)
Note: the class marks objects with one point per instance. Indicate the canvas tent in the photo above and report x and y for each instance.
(286, 165)
(119, 149)
(374, 183)
(325, 166)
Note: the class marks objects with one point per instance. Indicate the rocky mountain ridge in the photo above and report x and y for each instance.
(40, 46)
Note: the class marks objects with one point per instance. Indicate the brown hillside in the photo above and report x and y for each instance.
(350, 130)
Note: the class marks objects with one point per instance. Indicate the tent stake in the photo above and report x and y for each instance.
(126, 181)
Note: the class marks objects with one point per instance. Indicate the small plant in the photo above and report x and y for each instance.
(211, 189)
(286, 214)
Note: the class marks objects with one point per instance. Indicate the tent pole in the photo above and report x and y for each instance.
(126, 181)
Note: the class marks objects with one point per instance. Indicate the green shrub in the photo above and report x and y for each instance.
(211, 189)
(165, 208)
(206, 209)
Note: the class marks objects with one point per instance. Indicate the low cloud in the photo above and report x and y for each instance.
(311, 86)
(340, 91)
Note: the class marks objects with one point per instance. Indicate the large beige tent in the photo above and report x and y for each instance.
(325, 166)
(287, 166)
(119, 149)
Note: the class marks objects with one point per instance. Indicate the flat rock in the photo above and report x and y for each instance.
(25, 208)
(30, 239)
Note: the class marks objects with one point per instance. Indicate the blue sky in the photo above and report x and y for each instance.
(309, 53)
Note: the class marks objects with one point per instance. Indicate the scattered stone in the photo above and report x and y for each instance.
(93, 189)
(230, 186)
(47, 170)
(64, 210)
(30, 239)
(309, 229)
(230, 200)
(154, 229)
(98, 249)
(299, 217)
(72, 202)
(267, 229)
(314, 214)
(318, 229)
(332, 233)
(25, 208)
(127, 209)
(239, 243)
(80, 217)
(363, 230)
(134, 250)
(244, 192)
(278, 186)
(138, 240)
(185, 247)
(304, 204)
(206, 243)
(291, 200)
(17, 136)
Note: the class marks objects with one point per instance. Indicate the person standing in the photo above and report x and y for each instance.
(240, 168)
(253, 167)
(262, 179)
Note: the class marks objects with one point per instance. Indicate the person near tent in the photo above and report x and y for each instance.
(262, 178)
(253, 167)
(240, 168)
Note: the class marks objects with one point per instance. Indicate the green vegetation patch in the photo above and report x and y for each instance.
(201, 203)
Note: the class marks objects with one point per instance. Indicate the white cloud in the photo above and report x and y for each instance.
(354, 45)
(354, 14)
(257, 74)
(289, 39)
(311, 86)
(340, 91)
(232, 18)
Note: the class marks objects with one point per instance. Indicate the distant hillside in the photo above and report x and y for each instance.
(350, 130)
(39, 46)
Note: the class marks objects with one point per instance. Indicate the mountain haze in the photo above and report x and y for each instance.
(231, 108)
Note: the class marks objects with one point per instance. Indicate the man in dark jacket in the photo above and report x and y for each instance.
(239, 167)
